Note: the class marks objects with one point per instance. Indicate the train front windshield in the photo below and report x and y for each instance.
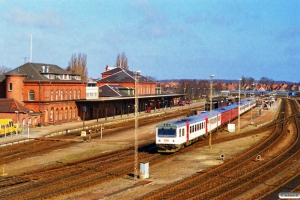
(163, 132)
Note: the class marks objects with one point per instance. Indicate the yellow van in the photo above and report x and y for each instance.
(7, 126)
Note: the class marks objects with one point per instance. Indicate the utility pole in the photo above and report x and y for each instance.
(239, 121)
(210, 114)
(136, 146)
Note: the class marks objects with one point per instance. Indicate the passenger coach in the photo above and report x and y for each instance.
(174, 135)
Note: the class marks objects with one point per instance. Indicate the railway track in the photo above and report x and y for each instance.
(256, 174)
(66, 178)
(75, 175)
(42, 146)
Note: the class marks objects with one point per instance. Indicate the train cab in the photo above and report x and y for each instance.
(170, 135)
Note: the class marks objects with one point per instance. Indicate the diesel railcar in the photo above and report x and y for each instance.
(174, 135)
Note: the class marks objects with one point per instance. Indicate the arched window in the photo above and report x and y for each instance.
(66, 113)
(74, 111)
(78, 94)
(56, 115)
(66, 95)
(75, 94)
(31, 95)
(56, 95)
(70, 113)
(61, 95)
(70, 94)
(51, 115)
(61, 114)
(51, 95)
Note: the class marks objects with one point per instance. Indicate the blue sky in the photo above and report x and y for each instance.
(164, 39)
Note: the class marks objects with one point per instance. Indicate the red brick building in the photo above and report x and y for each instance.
(47, 91)
(117, 82)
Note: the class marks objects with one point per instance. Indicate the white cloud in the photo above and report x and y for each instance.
(46, 19)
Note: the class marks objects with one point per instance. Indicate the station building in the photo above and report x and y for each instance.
(45, 94)
(47, 91)
(117, 95)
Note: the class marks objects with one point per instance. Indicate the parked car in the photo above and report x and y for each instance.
(181, 103)
(189, 102)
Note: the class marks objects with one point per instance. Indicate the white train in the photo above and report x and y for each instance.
(174, 135)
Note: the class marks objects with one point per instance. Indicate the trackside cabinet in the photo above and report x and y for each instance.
(144, 170)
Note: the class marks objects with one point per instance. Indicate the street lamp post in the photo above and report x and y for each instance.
(239, 121)
(210, 114)
(17, 114)
(136, 77)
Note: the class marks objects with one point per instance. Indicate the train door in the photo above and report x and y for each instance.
(206, 125)
(187, 131)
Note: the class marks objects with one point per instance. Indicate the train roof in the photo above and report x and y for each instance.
(224, 109)
(207, 114)
(232, 106)
(193, 119)
(178, 123)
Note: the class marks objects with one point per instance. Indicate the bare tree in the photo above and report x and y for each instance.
(122, 61)
(265, 80)
(77, 65)
(4, 69)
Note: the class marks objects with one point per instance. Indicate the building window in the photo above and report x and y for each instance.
(66, 95)
(74, 94)
(31, 95)
(70, 94)
(61, 114)
(51, 114)
(70, 113)
(56, 115)
(78, 94)
(61, 95)
(56, 95)
(66, 113)
(10, 87)
(51, 95)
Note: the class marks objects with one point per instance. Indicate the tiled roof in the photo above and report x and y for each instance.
(122, 75)
(11, 105)
(112, 90)
(36, 71)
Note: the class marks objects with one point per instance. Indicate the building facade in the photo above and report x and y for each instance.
(117, 82)
(47, 91)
